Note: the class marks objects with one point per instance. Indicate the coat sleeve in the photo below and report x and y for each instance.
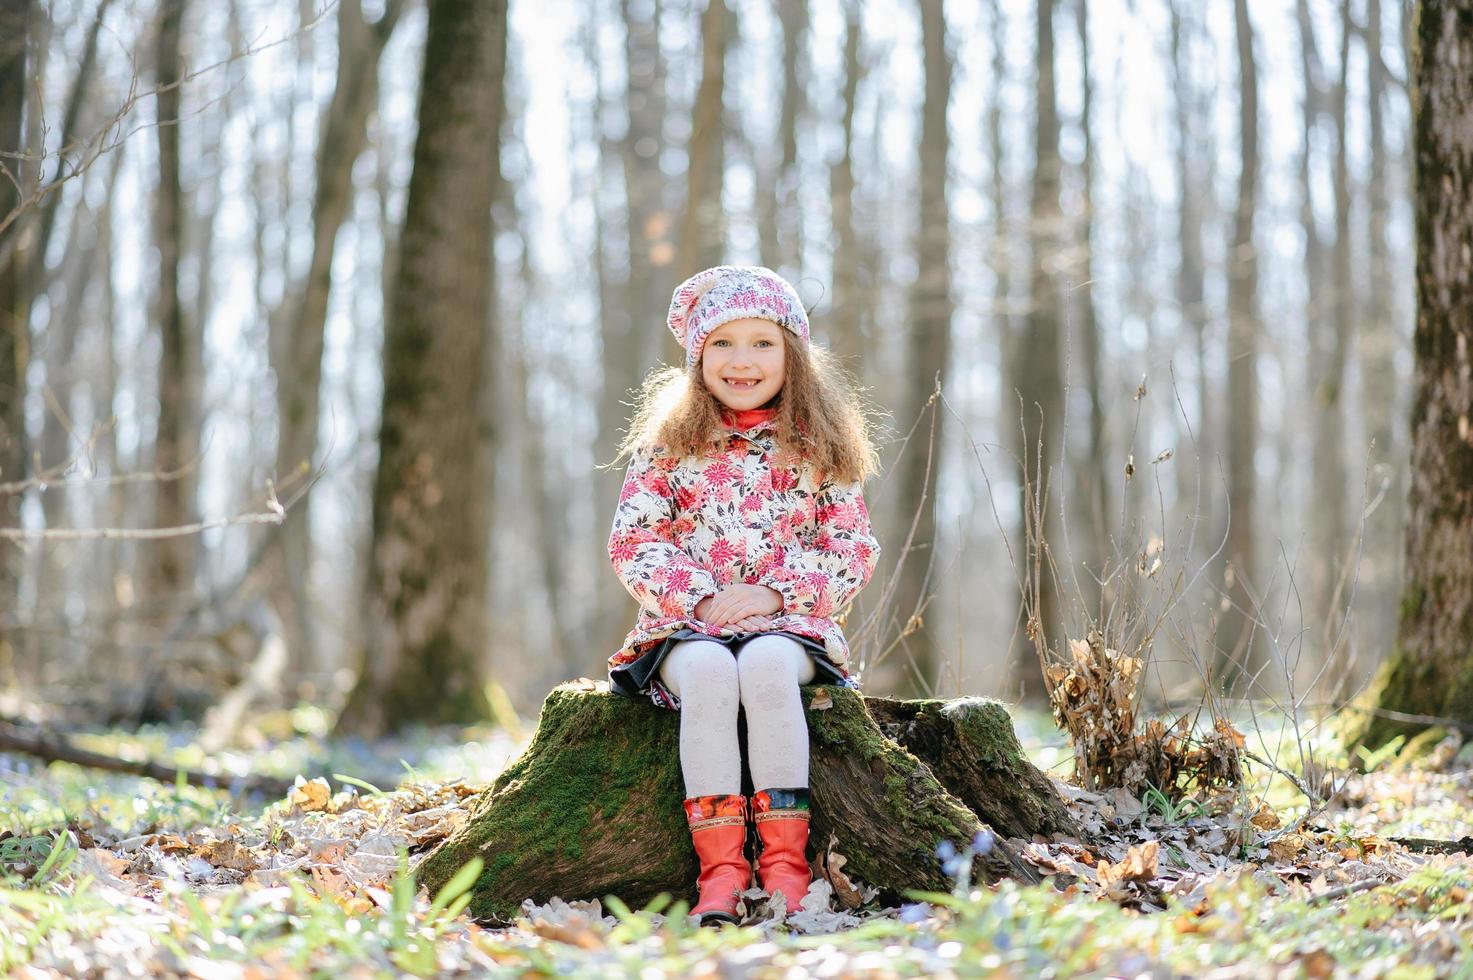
(822, 579)
(662, 578)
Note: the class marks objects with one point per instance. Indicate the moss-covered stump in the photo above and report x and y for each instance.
(970, 745)
(592, 807)
(884, 809)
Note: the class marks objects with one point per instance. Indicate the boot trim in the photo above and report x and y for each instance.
(802, 815)
(734, 821)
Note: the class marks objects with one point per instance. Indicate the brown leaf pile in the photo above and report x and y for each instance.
(1093, 699)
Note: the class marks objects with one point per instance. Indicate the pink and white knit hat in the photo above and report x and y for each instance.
(732, 292)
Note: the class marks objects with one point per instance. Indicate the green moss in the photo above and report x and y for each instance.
(542, 806)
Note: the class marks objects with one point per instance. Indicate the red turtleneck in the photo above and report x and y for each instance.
(747, 418)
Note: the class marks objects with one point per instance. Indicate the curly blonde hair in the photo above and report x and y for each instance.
(820, 416)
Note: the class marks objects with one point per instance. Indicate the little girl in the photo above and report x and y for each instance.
(742, 534)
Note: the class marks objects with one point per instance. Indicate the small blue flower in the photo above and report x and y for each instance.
(983, 842)
(946, 850)
(918, 912)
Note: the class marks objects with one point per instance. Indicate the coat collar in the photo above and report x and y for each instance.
(746, 421)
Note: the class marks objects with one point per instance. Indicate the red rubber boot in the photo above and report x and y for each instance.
(718, 829)
(781, 816)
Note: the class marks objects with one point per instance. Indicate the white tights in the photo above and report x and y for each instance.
(763, 679)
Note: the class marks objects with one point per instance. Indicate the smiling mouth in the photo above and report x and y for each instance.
(742, 382)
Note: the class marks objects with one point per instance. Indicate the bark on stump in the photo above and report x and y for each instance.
(592, 807)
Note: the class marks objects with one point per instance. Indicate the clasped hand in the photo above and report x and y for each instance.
(747, 607)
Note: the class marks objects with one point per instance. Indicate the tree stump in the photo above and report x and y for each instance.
(592, 807)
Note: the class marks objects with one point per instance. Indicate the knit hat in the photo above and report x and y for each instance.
(732, 292)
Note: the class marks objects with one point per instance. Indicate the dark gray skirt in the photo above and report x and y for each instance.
(642, 676)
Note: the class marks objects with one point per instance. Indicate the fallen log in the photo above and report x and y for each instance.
(592, 807)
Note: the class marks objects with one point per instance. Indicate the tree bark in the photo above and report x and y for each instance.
(779, 223)
(929, 347)
(592, 807)
(1379, 342)
(425, 600)
(1431, 672)
(1037, 377)
(1329, 525)
(1092, 490)
(846, 318)
(703, 231)
(171, 565)
(297, 343)
(1236, 650)
(14, 339)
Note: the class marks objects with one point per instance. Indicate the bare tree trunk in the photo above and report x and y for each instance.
(1236, 657)
(297, 343)
(1328, 522)
(846, 318)
(14, 339)
(426, 600)
(1431, 672)
(1091, 536)
(779, 223)
(170, 566)
(1037, 374)
(633, 318)
(930, 350)
(703, 231)
(1197, 485)
(1380, 340)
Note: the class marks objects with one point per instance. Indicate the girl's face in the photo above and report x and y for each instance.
(742, 363)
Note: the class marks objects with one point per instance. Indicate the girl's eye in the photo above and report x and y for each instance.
(764, 343)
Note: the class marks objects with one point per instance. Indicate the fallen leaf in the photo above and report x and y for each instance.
(310, 795)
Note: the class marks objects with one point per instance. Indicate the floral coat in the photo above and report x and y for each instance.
(746, 512)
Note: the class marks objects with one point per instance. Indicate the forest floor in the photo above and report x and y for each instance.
(104, 875)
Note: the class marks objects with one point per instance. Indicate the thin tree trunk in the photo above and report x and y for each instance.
(426, 594)
(1379, 341)
(14, 339)
(703, 231)
(1431, 672)
(1038, 377)
(1092, 493)
(1331, 474)
(779, 220)
(846, 318)
(296, 349)
(633, 331)
(930, 351)
(1198, 485)
(170, 565)
(1236, 656)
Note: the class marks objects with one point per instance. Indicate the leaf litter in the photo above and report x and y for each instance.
(183, 899)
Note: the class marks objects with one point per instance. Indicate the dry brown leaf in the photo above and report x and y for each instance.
(229, 854)
(1265, 819)
(309, 795)
(844, 890)
(1284, 849)
(822, 701)
(1139, 864)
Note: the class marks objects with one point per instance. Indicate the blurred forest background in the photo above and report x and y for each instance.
(258, 255)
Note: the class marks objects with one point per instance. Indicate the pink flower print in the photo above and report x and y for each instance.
(783, 479)
(722, 494)
(750, 503)
(670, 604)
(762, 487)
(629, 489)
(721, 472)
(722, 552)
(623, 550)
(677, 579)
(655, 482)
(690, 498)
(861, 552)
